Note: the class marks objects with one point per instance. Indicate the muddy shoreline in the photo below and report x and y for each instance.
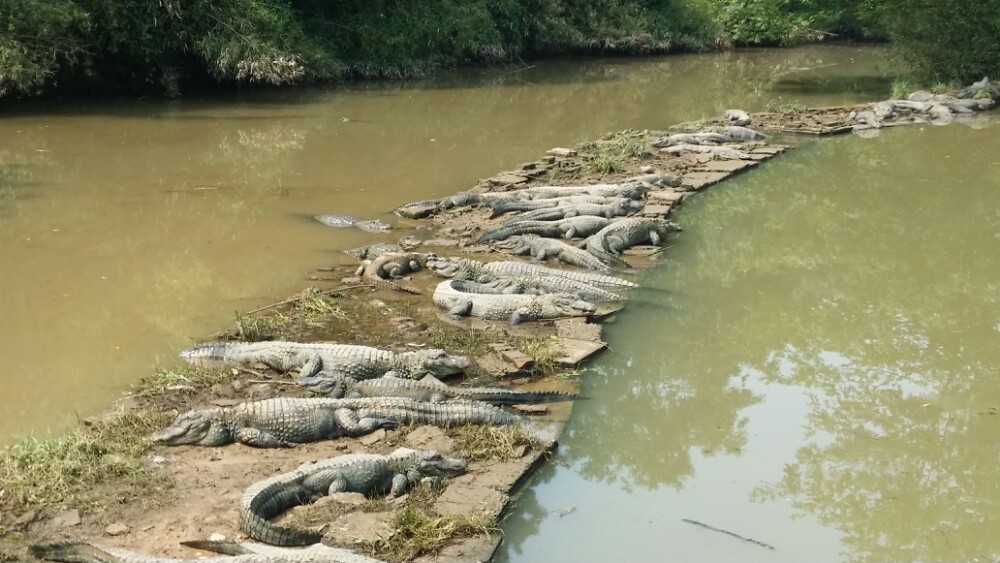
(186, 493)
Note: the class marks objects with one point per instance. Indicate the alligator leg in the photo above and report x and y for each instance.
(654, 238)
(260, 439)
(311, 367)
(461, 309)
(400, 484)
(614, 244)
(520, 315)
(353, 426)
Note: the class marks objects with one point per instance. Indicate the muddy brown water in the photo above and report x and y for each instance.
(128, 230)
(817, 371)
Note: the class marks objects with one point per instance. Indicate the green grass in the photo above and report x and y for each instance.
(67, 471)
(900, 89)
(479, 442)
(607, 164)
(779, 105)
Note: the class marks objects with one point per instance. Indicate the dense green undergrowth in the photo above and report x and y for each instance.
(168, 46)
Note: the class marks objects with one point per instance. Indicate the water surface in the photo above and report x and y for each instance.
(817, 371)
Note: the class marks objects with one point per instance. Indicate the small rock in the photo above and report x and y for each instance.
(646, 169)
(547, 159)
(67, 519)
(116, 529)
(559, 151)
(369, 439)
(340, 446)
(520, 451)
(158, 460)
(217, 537)
(27, 518)
(499, 346)
(216, 455)
(352, 280)
(237, 385)
(527, 166)
(377, 304)
(518, 358)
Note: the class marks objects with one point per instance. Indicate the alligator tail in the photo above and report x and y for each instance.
(505, 397)
(610, 259)
(73, 552)
(273, 500)
(223, 547)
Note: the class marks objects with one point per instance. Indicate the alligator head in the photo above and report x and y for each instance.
(628, 206)
(430, 463)
(434, 361)
(324, 383)
(203, 427)
(445, 266)
(419, 209)
(565, 305)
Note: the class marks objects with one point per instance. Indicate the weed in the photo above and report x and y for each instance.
(607, 164)
(317, 309)
(631, 147)
(943, 88)
(417, 530)
(478, 442)
(252, 328)
(184, 375)
(900, 89)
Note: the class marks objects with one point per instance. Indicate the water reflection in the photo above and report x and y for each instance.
(826, 380)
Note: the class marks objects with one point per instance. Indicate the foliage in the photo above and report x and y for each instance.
(784, 22)
(946, 40)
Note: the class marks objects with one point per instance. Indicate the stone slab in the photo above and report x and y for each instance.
(656, 210)
(578, 329)
(576, 351)
(508, 178)
(770, 149)
(559, 151)
(665, 196)
(701, 180)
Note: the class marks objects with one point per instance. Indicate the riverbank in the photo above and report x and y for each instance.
(401, 318)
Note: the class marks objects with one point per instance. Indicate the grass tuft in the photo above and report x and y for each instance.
(67, 470)
(318, 310)
(778, 105)
(479, 442)
(607, 164)
(900, 89)
(417, 531)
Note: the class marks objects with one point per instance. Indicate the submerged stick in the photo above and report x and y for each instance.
(728, 533)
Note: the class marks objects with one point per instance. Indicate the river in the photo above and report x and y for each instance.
(815, 370)
(130, 229)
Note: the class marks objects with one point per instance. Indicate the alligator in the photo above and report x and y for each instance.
(866, 117)
(341, 221)
(462, 298)
(419, 209)
(626, 233)
(426, 389)
(356, 362)
(735, 133)
(284, 421)
(736, 117)
(542, 285)
(535, 204)
(884, 110)
(449, 266)
(721, 152)
(688, 138)
(619, 207)
(369, 474)
(542, 248)
(392, 265)
(236, 552)
(571, 227)
(940, 114)
(974, 89)
(373, 251)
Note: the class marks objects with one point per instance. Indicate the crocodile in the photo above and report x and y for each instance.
(634, 187)
(722, 152)
(734, 133)
(866, 117)
(626, 233)
(450, 266)
(373, 251)
(460, 299)
(284, 421)
(369, 474)
(688, 138)
(619, 207)
(341, 221)
(974, 89)
(357, 362)
(426, 390)
(419, 209)
(542, 248)
(736, 117)
(571, 227)
(236, 552)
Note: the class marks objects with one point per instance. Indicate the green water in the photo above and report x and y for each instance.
(817, 369)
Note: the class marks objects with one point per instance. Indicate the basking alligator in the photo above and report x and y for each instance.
(722, 152)
(449, 266)
(616, 208)
(541, 285)
(542, 248)
(461, 298)
(572, 227)
(688, 139)
(283, 422)
(356, 362)
(426, 390)
(368, 474)
(237, 552)
(392, 265)
(535, 204)
(735, 133)
(626, 233)
(736, 117)
(373, 251)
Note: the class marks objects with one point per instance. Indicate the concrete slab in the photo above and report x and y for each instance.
(729, 165)
(701, 180)
(576, 351)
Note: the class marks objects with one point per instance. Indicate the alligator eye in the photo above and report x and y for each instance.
(434, 457)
